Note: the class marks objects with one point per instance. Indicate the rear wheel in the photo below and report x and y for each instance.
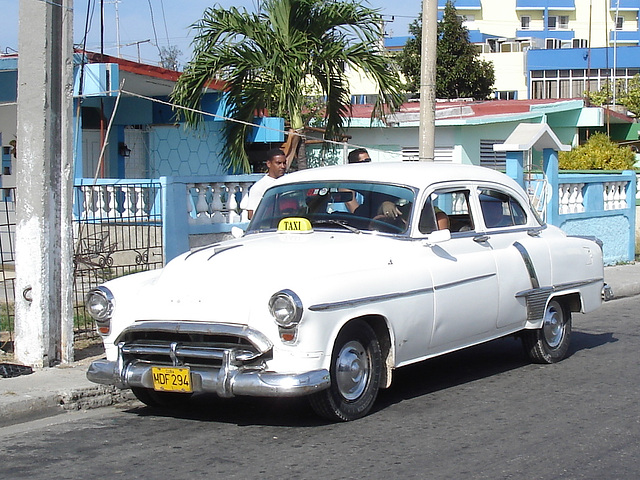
(356, 364)
(549, 344)
(156, 399)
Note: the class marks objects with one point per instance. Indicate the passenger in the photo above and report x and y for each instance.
(359, 155)
(442, 220)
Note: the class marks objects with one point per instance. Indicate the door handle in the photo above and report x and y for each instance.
(481, 238)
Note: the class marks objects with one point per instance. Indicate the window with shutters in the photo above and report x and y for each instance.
(491, 159)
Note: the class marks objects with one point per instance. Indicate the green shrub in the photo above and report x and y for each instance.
(599, 153)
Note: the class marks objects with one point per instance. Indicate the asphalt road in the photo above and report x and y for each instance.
(485, 413)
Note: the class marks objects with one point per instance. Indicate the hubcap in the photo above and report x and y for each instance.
(352, 370)
(553, 327)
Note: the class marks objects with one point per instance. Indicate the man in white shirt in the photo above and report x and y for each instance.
(276, 166)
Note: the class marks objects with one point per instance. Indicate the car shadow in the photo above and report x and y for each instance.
(471, 364)
(440, 373)
(241, 411)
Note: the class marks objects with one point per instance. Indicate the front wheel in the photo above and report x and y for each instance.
(356, 363)
(550, 343)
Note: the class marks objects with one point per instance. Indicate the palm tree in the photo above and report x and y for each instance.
(269, 59)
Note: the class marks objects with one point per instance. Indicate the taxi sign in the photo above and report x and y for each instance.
(295, 225)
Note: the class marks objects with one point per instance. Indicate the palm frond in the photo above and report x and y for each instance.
(267, 59)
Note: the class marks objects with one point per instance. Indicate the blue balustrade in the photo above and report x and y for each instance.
(593, 203)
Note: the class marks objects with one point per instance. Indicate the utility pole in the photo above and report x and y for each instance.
(428, 80)
(44, 240)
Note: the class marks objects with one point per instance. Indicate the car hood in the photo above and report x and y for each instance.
(230, 280)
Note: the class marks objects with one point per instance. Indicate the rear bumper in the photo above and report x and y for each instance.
(227, 381)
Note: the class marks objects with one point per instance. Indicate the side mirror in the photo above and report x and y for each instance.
(237, 232)
(438, 236)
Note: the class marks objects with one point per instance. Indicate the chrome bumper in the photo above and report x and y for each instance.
(225, 382)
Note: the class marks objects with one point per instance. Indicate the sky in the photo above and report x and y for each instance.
(146, 26)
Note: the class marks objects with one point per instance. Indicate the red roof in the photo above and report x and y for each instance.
(479, 107)
(144, 69)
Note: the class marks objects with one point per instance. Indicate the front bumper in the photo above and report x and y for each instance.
(222, 359)
(227, 381)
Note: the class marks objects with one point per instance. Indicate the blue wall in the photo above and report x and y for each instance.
(568, 58)
(8, 79)
(176, 151)
(8, 85)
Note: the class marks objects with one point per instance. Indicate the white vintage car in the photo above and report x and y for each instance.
(343, 275)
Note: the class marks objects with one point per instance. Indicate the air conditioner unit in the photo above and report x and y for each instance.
(553, 43)
(510, 47)
(97, 79)
(579, 43)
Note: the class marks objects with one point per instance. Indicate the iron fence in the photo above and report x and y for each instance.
(7, 260)
(117, 230)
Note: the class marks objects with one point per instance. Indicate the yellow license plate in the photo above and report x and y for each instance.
(171, 379)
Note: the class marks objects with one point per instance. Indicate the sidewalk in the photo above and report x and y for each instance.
(52, 391)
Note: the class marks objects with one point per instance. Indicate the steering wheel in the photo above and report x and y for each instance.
(386, 226)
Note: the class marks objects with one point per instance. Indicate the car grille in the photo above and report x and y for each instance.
(536, 304)
(192, 344)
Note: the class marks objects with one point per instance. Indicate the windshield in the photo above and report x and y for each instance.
(349, 206)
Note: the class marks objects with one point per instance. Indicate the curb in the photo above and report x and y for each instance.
(93, 397)
(28, 409)
(25, 410)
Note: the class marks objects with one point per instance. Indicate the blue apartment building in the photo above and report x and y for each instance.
(554, 49)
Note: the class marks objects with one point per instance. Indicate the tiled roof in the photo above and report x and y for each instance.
(478, 108)
(454, 109)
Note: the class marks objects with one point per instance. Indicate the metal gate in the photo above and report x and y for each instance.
(117, 230)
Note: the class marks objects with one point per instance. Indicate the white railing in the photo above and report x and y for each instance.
(116, 201)
(217, 202)
(571, 198)
(460, 205)
(615, 197)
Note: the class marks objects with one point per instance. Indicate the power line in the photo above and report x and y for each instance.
(229, 119)
(153, 24)
(164, 19)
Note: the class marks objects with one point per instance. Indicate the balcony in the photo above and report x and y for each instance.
(544, 5)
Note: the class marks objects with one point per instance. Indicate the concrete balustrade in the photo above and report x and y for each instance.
(200, 210)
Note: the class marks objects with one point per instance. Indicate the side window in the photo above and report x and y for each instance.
(446, 209)
(500, 209)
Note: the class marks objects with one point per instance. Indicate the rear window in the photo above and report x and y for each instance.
(501, 210)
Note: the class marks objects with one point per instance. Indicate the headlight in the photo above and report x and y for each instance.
(286, 308)
(99, 304)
